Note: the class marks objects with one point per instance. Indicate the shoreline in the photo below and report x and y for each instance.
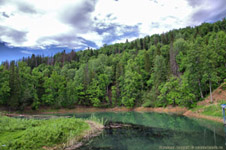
(170, 110)
(191, 114)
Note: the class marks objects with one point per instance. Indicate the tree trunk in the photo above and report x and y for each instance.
(173, 63)
(211, 96)
(200, 89)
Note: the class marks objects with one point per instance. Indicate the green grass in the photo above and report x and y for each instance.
(212, 109)
(198, 107)
(24, 134)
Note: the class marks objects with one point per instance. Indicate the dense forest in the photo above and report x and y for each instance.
(179, 67)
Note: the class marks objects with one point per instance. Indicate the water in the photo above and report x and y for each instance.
(153, 131)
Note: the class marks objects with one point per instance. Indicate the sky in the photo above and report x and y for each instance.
(46, 27)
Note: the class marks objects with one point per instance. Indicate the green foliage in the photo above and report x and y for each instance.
(28, 92)
(97, 90)
(150, 99)
(114, 95)
(160, 72)
(174, 92)
(170, 92)
(71, 95)
(132, 84)
(15, 87)
(4, 85)
(55, 92)
(34, 134)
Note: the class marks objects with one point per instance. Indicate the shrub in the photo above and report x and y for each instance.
(23, 134)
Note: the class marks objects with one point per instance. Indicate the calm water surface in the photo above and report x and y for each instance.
(154, 131)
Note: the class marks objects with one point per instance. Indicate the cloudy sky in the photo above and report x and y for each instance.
(49, 26)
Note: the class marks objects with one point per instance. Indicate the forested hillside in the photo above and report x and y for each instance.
(179, 67)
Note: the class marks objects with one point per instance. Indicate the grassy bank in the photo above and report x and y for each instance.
(214, 109)
(33, 134)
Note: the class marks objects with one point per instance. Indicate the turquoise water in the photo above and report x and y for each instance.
(153, 131)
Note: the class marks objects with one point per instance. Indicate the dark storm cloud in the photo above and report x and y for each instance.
(16, 36)
(209, 10)
(79, 17)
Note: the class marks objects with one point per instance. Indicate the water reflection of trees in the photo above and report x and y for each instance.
(152, 130)
(161, 120)
(141, 137)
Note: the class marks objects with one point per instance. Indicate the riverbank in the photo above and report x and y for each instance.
(170, 109)
(191, 114)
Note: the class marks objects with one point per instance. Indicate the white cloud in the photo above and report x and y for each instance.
(26, 52)
(44, 23)
(73, 23)
(146, 12)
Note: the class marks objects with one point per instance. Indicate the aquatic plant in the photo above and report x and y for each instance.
(101, 121)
